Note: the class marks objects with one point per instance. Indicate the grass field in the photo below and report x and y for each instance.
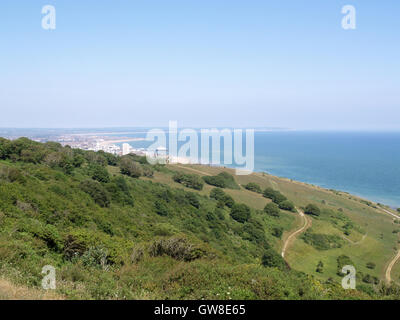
(372, 240)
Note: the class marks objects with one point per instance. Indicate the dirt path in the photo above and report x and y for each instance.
(194, 170)
(396, 257)
(306, 224)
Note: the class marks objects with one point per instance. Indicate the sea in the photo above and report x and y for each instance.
(366, 164)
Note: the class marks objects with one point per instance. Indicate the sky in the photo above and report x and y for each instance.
(116, 63)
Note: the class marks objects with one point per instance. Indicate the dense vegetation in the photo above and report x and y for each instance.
(112, 232)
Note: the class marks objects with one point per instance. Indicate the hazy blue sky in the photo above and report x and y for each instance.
(201, 62)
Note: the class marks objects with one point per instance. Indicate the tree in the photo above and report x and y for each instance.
(312, 209)
(100, 173)
(272, 259)
(253, 187)
(274, 195)
(272, 209)
(96, 191)
(320, 267)
(277, 232)
(240, 212)
(286, 205)
(130, 167)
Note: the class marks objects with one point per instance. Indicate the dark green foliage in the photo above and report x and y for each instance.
(286, 205)
(222, 180)
(99, 173)
(215, 181)
(161, 208)
(222, 198)
(312, 209)
(240, 212)
(322, 241)
(189, 180)
(272, 209)
(96, 191)
(371, 265)
(193, 199)
(320, 267)
(130, 167)
(177, 248)
(253, 187)
(370, 279)
(342, 261)
(253, 231)
(277, 232)
(272, 259)
(274, 195)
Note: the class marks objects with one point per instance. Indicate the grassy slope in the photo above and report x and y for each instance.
(52, 197)
(368, 246)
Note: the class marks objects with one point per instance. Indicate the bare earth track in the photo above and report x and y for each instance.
(306, 224)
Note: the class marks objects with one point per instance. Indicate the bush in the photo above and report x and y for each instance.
(240, 212)
(286, 205)
(277, 232)
(130, 167)
(253, 187)
(320, 267)
(222, 180)
(219, 195)
(322, 241)
(342, 261)
(177, 248)
(312, 209)
(274, 195)
(96, 191)
(99, 173)
(161, 208)
(271, 258)
(371, 265)
(215, 181)
(272, 209)
(193, 199)
(189, 180)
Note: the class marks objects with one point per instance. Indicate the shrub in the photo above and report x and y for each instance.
(96, 257)
(130, 167)
(286, 205)
(253, 187)
(189, 180)
(193, 199)
(320, 267)
(240, 212)
(161, 208)
(272, 209)
(219, 195)
(277, 232)
(222, 180)
(274, 195)
(312, 209)
(177, 248)
(371, 265)
(322, 241)
(271, 258)
(215, 181)
(342, 261)
(99, 173)
(96, 191)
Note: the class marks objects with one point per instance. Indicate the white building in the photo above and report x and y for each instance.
(126, 149)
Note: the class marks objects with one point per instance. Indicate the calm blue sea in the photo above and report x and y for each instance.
(365, 164)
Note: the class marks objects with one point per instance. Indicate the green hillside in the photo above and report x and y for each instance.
(119, 228)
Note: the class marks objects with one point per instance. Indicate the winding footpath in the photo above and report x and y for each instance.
(396, 257)
(305, 226)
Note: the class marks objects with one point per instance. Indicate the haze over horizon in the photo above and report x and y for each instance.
(205, 64)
